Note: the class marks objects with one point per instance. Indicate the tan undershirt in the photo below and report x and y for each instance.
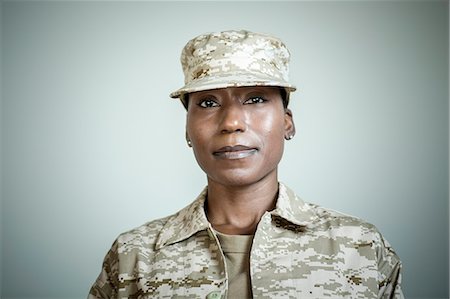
(236, 249)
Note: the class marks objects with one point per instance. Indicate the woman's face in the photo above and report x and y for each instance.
(238, 133)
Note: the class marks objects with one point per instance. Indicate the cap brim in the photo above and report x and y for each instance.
(233, 80)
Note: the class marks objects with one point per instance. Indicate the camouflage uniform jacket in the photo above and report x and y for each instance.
(299, 250)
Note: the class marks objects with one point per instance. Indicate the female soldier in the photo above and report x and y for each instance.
(246, 235)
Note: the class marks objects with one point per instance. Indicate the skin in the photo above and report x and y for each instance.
(237, 135)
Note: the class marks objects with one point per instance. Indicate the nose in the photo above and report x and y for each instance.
(233, 119)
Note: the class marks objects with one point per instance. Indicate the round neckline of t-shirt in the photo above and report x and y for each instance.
(234, 243)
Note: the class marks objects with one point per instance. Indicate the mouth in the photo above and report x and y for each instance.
(235, 152)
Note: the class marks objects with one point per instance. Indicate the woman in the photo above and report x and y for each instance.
(246, 235)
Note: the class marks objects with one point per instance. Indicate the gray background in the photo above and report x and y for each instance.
(93, 146)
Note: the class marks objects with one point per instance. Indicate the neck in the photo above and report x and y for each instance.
(237, 210)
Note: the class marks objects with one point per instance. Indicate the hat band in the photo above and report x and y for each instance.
(237, 65)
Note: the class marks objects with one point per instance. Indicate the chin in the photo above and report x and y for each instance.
(239, 178)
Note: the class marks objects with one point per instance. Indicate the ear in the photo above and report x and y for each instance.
(289, 126)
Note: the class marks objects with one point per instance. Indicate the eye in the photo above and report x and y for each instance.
(255, 100)
(208, 103)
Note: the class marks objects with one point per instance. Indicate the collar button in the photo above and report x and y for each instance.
(214, 295)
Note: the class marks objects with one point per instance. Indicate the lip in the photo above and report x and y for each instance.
(235, 152)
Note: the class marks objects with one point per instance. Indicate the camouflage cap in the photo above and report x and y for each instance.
(232, 59)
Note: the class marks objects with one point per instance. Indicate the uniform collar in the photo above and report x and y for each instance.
(185, 223)
(290, 207)
(192, 218)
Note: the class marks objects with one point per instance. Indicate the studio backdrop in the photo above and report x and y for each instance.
(93, 146)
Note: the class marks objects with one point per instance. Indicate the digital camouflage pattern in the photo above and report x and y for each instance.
(234, 58)
(300, 250)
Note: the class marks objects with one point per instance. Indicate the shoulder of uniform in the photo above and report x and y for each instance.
(332, 219)
(334, 215)
(149, 228)
(156, 233)
(143, 236)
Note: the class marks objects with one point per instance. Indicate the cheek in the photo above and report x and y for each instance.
(272, 130)
(200, 135)
(271, 127)
(191, 126)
